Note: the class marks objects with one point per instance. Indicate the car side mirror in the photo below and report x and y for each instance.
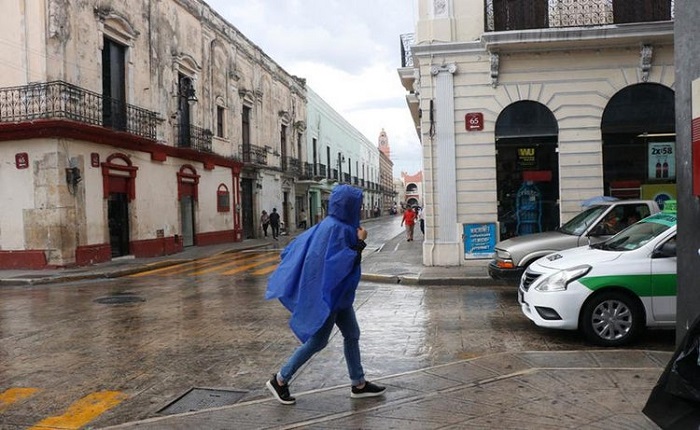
(598, 230)
(666, 250)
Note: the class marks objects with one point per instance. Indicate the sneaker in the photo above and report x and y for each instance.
(369, 390)
(281, 392)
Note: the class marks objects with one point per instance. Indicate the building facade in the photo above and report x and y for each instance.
(138, 128)
(386, 174)
(337, 154)
(526, 108)
(412, 189)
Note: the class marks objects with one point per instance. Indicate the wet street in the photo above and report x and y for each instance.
(130, 346)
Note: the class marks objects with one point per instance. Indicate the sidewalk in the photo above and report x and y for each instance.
(604, 389)
(401, 265)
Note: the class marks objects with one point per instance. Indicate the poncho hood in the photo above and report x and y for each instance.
(319, 271)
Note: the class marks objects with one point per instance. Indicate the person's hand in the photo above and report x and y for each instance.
(361, 233)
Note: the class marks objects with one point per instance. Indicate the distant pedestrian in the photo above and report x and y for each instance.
(409, 219)
(264, 221)
(275, 223)
(421, 220)
(302, 219)
(316, 281)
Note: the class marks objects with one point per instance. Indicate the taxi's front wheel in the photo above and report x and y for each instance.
(612, 318)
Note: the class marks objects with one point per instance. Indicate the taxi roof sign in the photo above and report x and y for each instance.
(670, 206)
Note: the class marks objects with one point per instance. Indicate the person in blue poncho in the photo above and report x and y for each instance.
(316, 281)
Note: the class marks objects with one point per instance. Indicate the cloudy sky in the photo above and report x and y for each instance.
(348, 51)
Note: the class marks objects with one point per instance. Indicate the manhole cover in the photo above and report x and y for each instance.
(119, 299)
(197, 399)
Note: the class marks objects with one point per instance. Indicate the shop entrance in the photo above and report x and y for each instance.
(527, 169)
(639, 139)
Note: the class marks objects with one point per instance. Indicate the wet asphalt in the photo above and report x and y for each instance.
(451, 345)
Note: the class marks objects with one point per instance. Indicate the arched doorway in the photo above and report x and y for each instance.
(639, 134)
(119, 187)
(187, 193)
(527, 169)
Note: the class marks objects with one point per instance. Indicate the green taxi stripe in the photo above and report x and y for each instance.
(641, 285)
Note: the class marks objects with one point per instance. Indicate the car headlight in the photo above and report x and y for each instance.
(559, 280)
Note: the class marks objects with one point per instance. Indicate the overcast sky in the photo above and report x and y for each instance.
(348, 51)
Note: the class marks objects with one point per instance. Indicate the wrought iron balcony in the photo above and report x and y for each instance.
(190, 136)
(307, 172)
(407, 40)
(291, 165)
(505, 15)
(253, 154)
(322, 171)
(61, 100)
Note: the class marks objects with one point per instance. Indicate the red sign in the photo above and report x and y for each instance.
(22, 160)
(474, 121)
(95, 159)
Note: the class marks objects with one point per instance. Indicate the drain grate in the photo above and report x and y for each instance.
(197, 399)
(119, 299)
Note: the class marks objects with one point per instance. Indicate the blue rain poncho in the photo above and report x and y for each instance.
(320, 269)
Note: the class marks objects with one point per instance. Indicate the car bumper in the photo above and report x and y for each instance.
(510, 275)
(558, 309)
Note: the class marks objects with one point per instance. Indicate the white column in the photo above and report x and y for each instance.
(444, 154)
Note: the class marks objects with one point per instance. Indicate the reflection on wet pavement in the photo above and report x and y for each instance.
(199, 328)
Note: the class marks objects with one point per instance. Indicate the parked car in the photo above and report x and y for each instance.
(611, 290)
(593, 225)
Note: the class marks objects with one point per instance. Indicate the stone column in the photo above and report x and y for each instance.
(445, 249)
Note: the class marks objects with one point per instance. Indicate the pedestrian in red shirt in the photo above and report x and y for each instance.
(409, 219)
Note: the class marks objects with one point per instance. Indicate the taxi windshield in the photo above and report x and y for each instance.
(578, 224)
(639, 234)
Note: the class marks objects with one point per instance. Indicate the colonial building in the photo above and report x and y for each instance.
(138, 128)
(412, 189)
(337, 153)
(386, 174)
(529, 107)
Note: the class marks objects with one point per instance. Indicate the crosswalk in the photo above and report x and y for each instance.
(75, 416)
(256, 263)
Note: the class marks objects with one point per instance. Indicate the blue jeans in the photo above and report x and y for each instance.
(347, 323)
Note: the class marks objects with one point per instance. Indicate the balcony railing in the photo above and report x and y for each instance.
(322, 171)
(504, 15)
(407, 40)
(253, 154)
(61, 100)
(291, 165)
(190, 136)
(307, 172)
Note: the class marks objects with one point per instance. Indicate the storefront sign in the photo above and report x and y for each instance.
(474, 121)
(479, 240)
(526, 157)
(662, 162)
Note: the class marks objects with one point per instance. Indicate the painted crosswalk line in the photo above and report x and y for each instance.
(14, 395)
(83, 411)
(225, 264)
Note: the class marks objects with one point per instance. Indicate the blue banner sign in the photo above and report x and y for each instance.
(479, 240)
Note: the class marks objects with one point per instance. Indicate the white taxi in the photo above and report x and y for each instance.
(611, 290)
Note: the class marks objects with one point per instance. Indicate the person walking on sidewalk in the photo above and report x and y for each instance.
(275, 223)
(421, 219)
(409, 219)
(316, 281)
(264, 221)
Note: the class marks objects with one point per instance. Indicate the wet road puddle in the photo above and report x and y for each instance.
(197, 399)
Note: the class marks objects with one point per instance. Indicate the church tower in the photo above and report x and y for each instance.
(384, 144)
